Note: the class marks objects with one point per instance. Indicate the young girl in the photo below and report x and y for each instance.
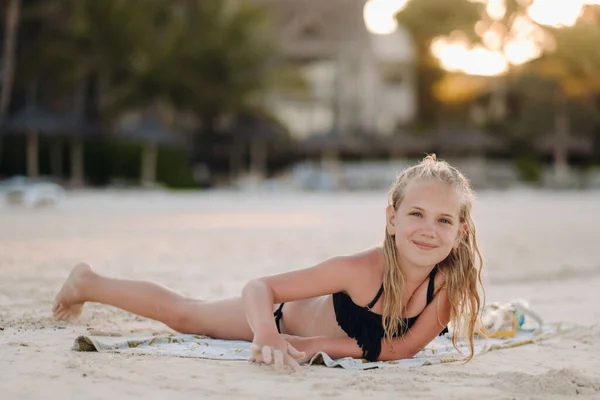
(385, 303)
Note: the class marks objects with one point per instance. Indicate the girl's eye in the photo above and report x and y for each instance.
(445, 221)
(416, 214)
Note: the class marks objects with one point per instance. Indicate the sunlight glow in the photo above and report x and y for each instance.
(457, 56)
(379, 15)
(519, 52)
(556, 13)
(527, 41)
(496, 9)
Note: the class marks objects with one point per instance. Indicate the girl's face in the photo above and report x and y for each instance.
(426, 224)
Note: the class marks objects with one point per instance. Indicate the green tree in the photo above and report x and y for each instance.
(208, 58)
(212, 59)
(79, 41)
(228, 60)
(426, 20)
(564, 79)
(11, 15)
(571, 74)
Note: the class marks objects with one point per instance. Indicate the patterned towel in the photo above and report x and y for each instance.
(438, 351)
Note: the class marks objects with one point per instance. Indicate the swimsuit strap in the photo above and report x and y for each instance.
(431, 285)
(372, 303)
(430, 289)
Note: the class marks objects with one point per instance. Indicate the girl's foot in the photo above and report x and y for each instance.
(69, 301)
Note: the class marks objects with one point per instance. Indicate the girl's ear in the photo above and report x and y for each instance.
(390, 219)
(462, 232)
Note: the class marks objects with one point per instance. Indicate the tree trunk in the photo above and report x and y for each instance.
(209, 123)
(330, 158)
(498, 98)
(56, 159)
(8, 57)
(330, 164)
(258, 157)
(77, 148)
(13, 11)
(561, 138)
(202, 173)
(235, 159)
(32, 155)
(428, 73)
(149, 157)
(77, 172)
(336, 99)
(479, 169)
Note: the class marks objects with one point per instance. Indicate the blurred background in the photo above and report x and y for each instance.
(308, 94)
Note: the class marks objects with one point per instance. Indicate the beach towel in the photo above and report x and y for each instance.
(524, 327)
(440, 350)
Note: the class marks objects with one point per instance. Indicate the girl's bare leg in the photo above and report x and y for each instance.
(223, 319)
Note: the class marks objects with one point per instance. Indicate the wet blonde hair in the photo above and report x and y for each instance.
(462, 267)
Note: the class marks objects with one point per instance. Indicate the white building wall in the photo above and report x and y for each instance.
(346, 80)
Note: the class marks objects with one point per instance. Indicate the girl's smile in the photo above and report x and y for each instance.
(424, 246)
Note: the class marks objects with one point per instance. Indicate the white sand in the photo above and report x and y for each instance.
(540, 246)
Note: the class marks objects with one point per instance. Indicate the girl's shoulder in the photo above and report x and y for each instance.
(367, 263)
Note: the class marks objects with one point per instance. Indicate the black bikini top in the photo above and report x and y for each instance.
(366, 326)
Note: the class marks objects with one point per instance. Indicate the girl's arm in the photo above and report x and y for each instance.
(330, 276)
(429, 324)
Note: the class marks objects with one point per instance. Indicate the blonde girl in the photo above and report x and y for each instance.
(383, 303)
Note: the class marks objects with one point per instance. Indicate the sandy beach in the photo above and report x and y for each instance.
(540, 246)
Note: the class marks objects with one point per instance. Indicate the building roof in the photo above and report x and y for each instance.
(318, 28)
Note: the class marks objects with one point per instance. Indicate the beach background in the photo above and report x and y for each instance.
(538, 245)
(203, 143)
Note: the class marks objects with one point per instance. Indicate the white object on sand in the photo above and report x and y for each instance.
(22, 191)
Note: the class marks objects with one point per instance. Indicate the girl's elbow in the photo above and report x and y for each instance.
(253, 286)
(398, 350)
(392, 357)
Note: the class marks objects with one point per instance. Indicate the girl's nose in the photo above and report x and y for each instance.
(429, 233)
(429, 228)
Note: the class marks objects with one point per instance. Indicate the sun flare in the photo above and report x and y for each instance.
(492, 58)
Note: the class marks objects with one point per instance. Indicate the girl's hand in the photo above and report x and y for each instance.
(307, 345)
(272, 349)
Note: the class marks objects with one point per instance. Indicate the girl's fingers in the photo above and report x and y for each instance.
(267, 355)
(255, 352)
(278, 359)
(293, 363)
(295, 353)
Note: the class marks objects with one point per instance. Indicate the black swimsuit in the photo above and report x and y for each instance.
(366, 326)
(362, 324)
